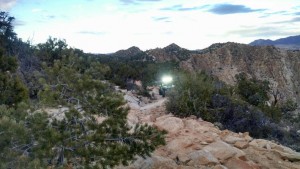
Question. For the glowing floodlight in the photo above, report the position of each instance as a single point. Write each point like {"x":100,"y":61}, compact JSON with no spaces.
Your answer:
{"x":167,"y":79}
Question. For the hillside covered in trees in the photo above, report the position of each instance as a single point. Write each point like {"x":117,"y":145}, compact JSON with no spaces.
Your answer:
{"x":52,"y":75}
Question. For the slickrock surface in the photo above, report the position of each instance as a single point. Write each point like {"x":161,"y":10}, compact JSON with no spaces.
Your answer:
{"x":193,"y":143}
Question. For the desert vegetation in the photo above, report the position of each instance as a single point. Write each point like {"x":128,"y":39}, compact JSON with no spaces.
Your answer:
{"x":51,"y":75}
{"x":239,"y":108}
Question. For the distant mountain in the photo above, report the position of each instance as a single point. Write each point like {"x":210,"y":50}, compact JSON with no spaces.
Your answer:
{"x":128,"y":52}
{"x":171,"y":52}
{"x":132,"y":53}
{"x":291,"y":42}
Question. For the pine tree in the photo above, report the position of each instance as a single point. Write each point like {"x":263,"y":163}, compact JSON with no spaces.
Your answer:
{"x":79,"y":139}
{"x":30,"y":137}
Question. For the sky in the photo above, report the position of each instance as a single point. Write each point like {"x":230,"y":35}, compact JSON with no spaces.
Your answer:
{"x":105,"y":26}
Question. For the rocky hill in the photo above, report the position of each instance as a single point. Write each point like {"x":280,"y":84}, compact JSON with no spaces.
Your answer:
{"x":193,"y":143}
{"x":291,"y":42}
{"x":169,"y":53}
{"x":132,"y":53}
{"x":279,"y":67}
{"x":225,"y":60}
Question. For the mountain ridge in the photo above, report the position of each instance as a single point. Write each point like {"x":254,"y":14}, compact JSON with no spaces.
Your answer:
{"x":225,"y":60}
{"x":290,"y":42}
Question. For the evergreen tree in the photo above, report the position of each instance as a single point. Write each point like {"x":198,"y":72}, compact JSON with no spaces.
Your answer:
{"x":31,"y":137}
{"x":12,"y":90}
{"x":79,"y":139}
{"x":192,"y":95}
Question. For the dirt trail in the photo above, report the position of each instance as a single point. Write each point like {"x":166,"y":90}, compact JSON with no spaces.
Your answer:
{"x":157,"y":103}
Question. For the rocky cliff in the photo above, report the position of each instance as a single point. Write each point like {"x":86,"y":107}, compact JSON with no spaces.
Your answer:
{"x":279,"y":67}
{"x":225,"y":60}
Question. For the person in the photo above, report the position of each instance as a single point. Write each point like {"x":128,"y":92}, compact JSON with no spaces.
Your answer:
{"x":162,"y":90}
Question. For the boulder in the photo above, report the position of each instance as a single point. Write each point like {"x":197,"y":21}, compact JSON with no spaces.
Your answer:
{"x":157,"y":162}
{"x":241,"y":144}
{"x":202,"y":157}
{"x":223,"y":151}
{"x":219,"y":167}
{"x":195,"y":126}
{"x":231,"y":139}
{"x":170,"y":124}
{"x":179,"y":144}
{"x":293,"y":157}
{"x":235,"y":163}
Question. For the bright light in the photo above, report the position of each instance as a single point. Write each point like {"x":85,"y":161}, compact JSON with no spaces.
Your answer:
{"x":167,"y":79}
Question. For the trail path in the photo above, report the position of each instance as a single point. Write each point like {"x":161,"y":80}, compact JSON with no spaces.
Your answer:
{"x":153,"y":105}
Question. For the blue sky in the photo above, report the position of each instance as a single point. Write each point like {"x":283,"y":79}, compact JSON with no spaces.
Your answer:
{"x":104,"y":26}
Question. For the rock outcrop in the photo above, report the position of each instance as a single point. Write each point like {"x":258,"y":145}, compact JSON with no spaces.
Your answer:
{"x":193,"y":143}
{"x":279,"y":67}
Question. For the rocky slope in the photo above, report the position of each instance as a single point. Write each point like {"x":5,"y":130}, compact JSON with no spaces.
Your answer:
{"x":224,"y":60}
{"x":279,"y":67}
{"x":193,"y":143}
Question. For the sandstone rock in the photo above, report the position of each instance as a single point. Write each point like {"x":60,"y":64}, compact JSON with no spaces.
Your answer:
{"x":219,"y":167}
{"x":170,"y":124}
{"x":221,"y":150}
{"x":202,"y":157}
{"x":235,"y":163}
{"x":179,"y":144}
{"x":241,"y":144}
{"x":289,"y":156}
{"x":268,"y":147}
{"x":156,"y":162}
{"x":231,"y":139}
{"x":195,"y":125}
{"x":253,"y":143}
{"x":186,"y":167}
{"x":248,"y":138}
{"x":196,"y":144}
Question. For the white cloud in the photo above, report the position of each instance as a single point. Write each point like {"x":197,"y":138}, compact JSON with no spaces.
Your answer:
{"x":107,"y":26}
{"x":6,"y":5}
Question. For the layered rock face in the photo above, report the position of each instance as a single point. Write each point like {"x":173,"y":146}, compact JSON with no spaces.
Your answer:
{"x":279,"y":67}
{"x":193,"y":143}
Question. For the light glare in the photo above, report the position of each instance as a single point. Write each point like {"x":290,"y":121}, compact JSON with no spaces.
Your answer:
{"x":167,"y":79}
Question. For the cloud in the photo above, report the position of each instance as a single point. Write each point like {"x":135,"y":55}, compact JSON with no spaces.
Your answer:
{"x":164,"y":19}
{"x":91,"y":33}
{"x":224,"y":9}
{"x":297,"y":13}
{"x":6,"y":5}
{"x":18,"y":23}
{"x":296,"y":19}
{"x":264,"y":31}
{"x":274,"y":13}
{"x":51,"y":16}
{"x":181,"y":8}
{"x":135,"y":2}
